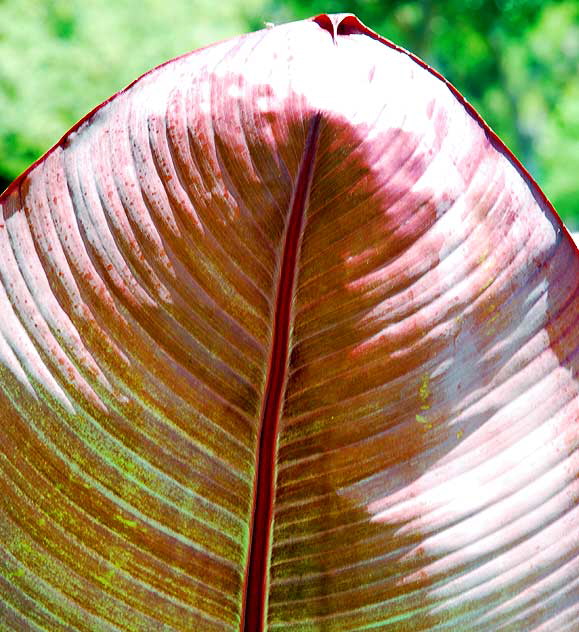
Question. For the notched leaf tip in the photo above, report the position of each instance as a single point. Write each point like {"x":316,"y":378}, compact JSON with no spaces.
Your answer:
{"x":342,"y":24}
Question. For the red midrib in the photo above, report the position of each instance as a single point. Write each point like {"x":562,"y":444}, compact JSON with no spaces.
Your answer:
{"x":255,"y":598}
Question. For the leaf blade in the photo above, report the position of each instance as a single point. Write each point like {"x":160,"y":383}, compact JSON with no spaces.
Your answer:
{"x":436,"y":290}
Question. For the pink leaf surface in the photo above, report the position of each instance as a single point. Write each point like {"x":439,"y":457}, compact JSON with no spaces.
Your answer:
{"x":287,"y":342}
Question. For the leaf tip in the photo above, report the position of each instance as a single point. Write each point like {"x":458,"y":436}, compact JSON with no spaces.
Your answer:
{"x":341,"y":24}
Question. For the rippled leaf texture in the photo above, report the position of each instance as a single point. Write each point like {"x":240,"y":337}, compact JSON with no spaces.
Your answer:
{"x":287,"y":341}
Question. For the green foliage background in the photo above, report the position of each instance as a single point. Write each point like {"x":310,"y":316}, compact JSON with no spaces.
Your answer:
{"x":517,"y":61}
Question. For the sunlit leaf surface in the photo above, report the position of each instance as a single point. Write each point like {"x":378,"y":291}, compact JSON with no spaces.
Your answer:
{"x":287,"y":342}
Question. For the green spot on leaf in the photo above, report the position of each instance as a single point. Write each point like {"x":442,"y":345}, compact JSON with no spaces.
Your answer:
{"x":106,"y":579}
{"x":424,"y":390}
{"x":127,"y":523}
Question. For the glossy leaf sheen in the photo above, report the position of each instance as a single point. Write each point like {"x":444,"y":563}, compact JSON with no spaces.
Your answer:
{"x":287,"y":340}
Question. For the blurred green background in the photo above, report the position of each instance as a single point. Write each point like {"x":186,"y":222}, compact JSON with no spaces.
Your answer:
{"x":517,"y":61}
